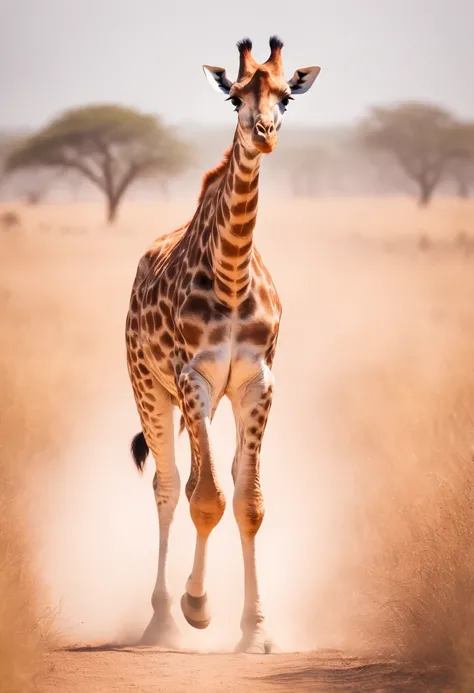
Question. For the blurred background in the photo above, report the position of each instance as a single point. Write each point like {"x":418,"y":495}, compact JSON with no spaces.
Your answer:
{"x":412,"y":63}
{"x":366,"y":223}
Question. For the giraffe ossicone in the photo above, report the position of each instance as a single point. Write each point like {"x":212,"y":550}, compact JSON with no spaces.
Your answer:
{"x":203,"y":322}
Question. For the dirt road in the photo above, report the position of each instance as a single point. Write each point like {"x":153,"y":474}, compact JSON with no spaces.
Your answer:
{"x":107,"y":669}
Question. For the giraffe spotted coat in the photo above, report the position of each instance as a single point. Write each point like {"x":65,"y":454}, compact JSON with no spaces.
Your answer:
{"x":203,"y":322}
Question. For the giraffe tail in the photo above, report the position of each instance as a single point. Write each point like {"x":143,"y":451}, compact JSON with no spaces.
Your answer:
{"x":139,"y":449}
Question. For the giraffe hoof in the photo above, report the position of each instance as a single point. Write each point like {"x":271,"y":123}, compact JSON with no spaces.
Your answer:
{"x":255,"y":642}
{"x":196,"y":611}
{"x":161,"y":633}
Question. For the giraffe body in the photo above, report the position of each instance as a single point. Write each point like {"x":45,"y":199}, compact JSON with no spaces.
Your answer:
{"x":203,"y":323}
{"x":192,"y":325}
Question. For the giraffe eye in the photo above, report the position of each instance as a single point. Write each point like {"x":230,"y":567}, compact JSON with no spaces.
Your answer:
{"x":285,"y":101}
{"x":236,"y":102}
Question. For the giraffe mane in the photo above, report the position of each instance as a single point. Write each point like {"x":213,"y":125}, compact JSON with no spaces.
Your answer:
{"x":214,"y":174}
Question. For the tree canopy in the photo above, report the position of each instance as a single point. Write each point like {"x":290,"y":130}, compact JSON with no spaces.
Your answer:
{"x":110,"y":145}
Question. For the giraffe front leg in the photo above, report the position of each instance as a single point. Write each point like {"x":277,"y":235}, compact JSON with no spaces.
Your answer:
{"x":251,"y":408}
{"x":206,"y":500}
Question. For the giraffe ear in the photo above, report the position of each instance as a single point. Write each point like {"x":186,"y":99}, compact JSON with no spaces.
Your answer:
{"x":303,"y":79}
{"x":217,"y":78}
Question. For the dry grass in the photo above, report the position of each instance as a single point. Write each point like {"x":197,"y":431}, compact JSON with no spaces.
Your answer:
{"x":21,"y":630}
{"x":23,"y":626}
{"x":413,"y":439}
{"x":384,"y":362}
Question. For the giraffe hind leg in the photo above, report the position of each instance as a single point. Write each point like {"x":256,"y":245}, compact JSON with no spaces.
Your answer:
{"x":155,"y":409}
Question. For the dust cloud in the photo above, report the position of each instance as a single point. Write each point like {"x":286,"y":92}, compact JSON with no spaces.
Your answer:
{"x":98,"y":540}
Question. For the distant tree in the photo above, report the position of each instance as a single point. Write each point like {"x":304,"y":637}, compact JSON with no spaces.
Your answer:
{"x":419,"y":137}
{"x":461,"y":171}
{"x":461,"y":168}
{"x":305,"y":168}
{"x":112,"y":146}
{"x":8,"y":142}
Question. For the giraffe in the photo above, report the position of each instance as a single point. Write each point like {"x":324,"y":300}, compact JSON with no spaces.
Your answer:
{"x":202,"y":323}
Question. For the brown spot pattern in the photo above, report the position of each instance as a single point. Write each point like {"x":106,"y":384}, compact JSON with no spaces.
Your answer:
{"x":256,"y":333}
{"x":192,"y":333}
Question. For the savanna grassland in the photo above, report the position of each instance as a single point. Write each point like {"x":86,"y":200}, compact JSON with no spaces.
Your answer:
{"x":366,"y":552}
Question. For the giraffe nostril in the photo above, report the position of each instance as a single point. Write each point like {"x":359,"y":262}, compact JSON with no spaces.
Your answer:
{"x":264,"y":130}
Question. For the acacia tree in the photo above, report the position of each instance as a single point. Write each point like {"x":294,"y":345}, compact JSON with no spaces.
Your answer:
{"x":112,"y":146}
{"x":419,"y":137}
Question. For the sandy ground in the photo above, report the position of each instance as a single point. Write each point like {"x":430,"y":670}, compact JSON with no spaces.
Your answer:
{"x":131,"y":670}
{"x":374,"y":352}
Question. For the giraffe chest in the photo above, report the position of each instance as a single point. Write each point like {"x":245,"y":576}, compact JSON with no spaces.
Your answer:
{"x":186,"y":323}
{"x":217,"y":342}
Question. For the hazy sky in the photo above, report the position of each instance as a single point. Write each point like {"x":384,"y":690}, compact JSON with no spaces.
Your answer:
{"x":55,"y":54}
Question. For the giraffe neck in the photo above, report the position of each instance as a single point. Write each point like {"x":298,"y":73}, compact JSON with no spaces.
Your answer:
{"x":235,"y":215}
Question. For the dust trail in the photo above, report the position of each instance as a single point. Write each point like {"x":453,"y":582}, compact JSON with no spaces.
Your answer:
{"x":98,"y":537}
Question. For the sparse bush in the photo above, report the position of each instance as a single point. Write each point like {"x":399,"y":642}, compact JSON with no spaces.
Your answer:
{"x":424,"y":243}
{"x":9,"y":220}
{"x":464,"y":242}
{"x":33,"y":198}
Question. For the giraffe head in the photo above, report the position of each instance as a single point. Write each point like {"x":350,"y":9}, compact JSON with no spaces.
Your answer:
{"x":261,"y":93}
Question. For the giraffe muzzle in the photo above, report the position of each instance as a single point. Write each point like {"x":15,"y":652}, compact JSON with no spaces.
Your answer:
{"x":264,"y":136}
